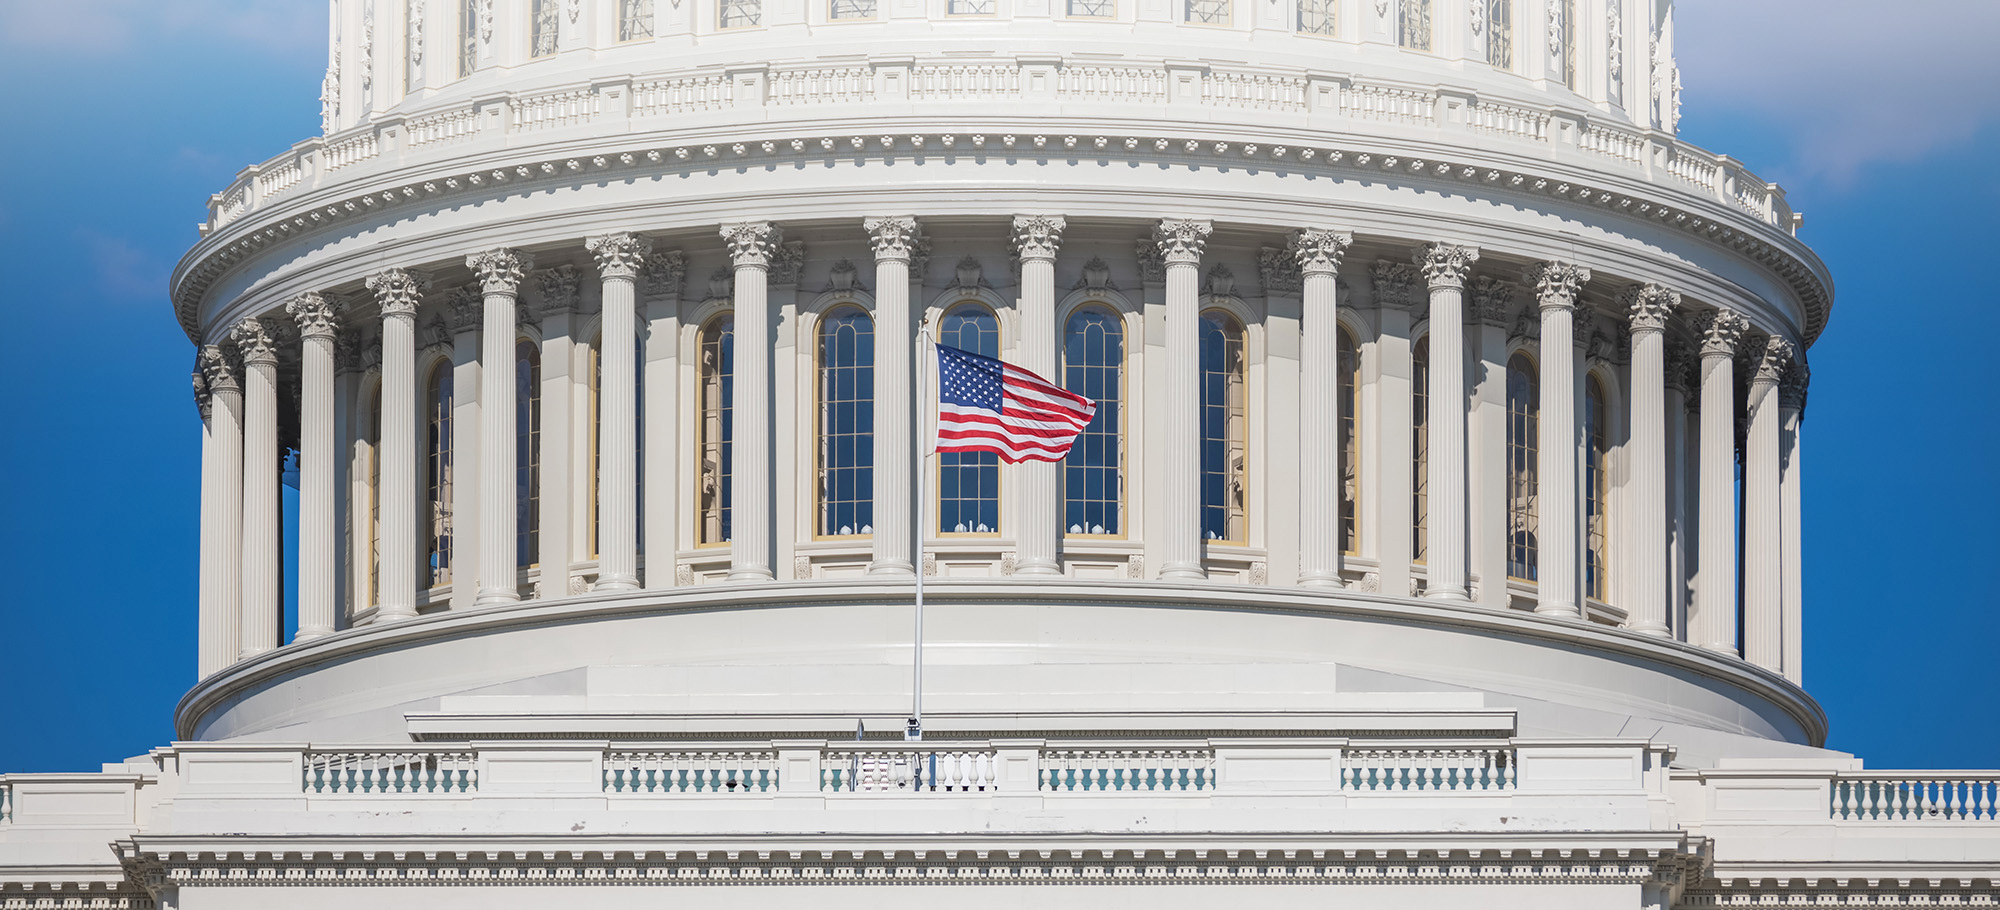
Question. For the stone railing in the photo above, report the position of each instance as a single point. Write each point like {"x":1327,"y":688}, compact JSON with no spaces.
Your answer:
{"x":6,"y":803}
{"x":1168,"y":92}
{"x":1916,"y":796}
{"x":1488,"y":768}
{"x":691,"y":771}
{"x":401,"y":771}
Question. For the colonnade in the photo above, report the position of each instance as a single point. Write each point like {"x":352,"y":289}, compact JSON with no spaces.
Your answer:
{"x":237,"y":385}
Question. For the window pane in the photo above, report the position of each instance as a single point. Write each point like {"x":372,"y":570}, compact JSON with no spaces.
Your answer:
{"x":542,"y":27}
{"x":742,"y":13}
{"x":1523,"y":416}
{"x":1098,"y":8}
{"x":1093,"y":474}
{"x":1413,"y":28}
{"x":635,"y":19}
{"x":969,"y":482}
{"x":1224,"y":430}
{"x":468,"y":36}
{"x":527,"y":452}
{"x":1420,"y":448}
{"x":969,"y":8}
{"x":1208,"y":12}
{"x":1319,"y":17}
{"x":1595,"y":496}
{"x":437,"y":464}
{"x":853,"y":9}
{"x":718,"y":374}
{"x":846,"y":423}
{"x":1500,"y":33}
{"x":1350,"y":445}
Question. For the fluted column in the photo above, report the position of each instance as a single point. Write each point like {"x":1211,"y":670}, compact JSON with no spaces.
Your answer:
{"x":499,"y":275}
{"x":1446,"y":268}
{"x":1181,"y":242}
{"x":619,"y":257}
{"x":317,"y":327}
{"x":1648,"y":308}
{"x":1557,"y":547}
{"x":1319,"y":251}
{"x":751,"y":246}
{"x":397,"y":292}
{"x":220,"y":638}
{"x":1715,"y":590}
{"x":1763,"y":527}
{"x":261,"y":597}
{"x":1791,"y":411}
{"x":467,"y":312}
{"x":663,"y":273}
{"x":1036,"y":239}
{"x":895,"y":406}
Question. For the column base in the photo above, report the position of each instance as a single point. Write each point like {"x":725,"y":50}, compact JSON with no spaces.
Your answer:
{"x":309,"y":636}
{"x":1322,"y":581}
{"x":1567,"y":611}
{"x":611,"y":583}
{"x":751,"y":575}
{"x":1183,"y":572}
{"x":895,"y":568}
{"x":1039,"y":569}
{"x":1448,"y":595}
{"x":493,"y":597}
{"x":1723,"y":649}
{"x":1655,"y":629}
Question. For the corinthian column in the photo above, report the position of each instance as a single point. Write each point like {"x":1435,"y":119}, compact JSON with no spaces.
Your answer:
{"x":1648,"y":308}
{"x":895,"y":406}
{"x":1791,"y":410}
{"x":619,"y":257}
{"x":1715,"y":590}
{"x":1763,"y":527}
{"x":222,"y":505}
{"x":751,"y":246}
{"x":261,"y":600}
{"x":1181,"y":242}
{"x":1319,"y":252}
{"x":317,"y":327}
{"x":499,"y":275}
{"x":1036,"y":239}
{"x":1556,"y":285}
{"x":1445,"y":270}
{"x":397,"y":292}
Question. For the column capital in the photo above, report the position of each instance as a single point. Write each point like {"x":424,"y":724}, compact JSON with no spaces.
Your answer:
{"x":1182,"y":240}
{"x":468,"y":308}
{"x":560,"y":286}
{"x":1792,"y":386}
{"x":398,"y":291}
{"x":788,"y":261}
{"x":752,"y":243}
{"x":619,"y":255}
{"x":201,"y":389}
{"x":1721,"y":328}
{"x":1152,"y":265}
{"x":1556,"y":283}
{"x":1278,"y":272}
{"x":664,"y":273}
{"x":254,"y":342}
{"x":1445,"y":265}
{"x":500,"y":271}
{"x":1319,"y":250}
{"x":893,"y":236}
{"x":1648,"y":306}
{"x":1037,"y":236}
{"x":1772,"y":361}
{"x":1492,"y":299}
{"x":315,"y":315}
{"x":1393,"y":283}
{"x":218,"y":374}
{"x":1679,"y":367}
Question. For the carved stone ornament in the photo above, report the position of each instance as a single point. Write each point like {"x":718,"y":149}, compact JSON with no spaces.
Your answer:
{"x":802,"y":567}
{"x":485,"y":17}
{"x":844,"y":278}
{"x":347,"y":350}
{"x":619,"y":255}
{"x":573,"y":9}
{"x":683,"y":575}
{"x":969,"y":275}
{"x":1792,"y":388}
{"x":416,"y":33}
{"x":366,"y":48}
{"x":499,"y":271}
{"x":1556,"y":283}
{"x":930,"y":565}
{"x":1152,"y":265}
{"x":1527,"y":327}
{"x":524,"y":317}
{"x":1369,"y":583}
{"x":200,"y":380}
{"x":329,"y":94}
{"x":920,"y":258}
{"x":722,"y":283}
{"x":1278,"y":272}
{"x":1773,"y":361}
{"x":1720,"y":329}
{"x":891,"y":237}
{"x":1445,"y":265}
{"x":1478,"y":13}
{"x":1650,"y":306}
{"x":1221,"y":282}
{"x":398,"y":291}
{"x":664,"y":273}
{"x":1010,"y":562}
{"x":1135,"y":566}
{"x":787,"y":261}
{"x":1492,"y":300}
{"x":468,"y":307}
{"x":1182,"y":240}
{"x":1096,"y":276}
{"x":1393,"y":283}
{"x":315,"y":315}
{"x":751,"y":244}
{"x":1615,"y":24}
{"x":560,"y":289}
{"x":1319,"y":249}
{"x":1680,"y":366}
{"x":1037,"y":236}
{"x":436,"y":334}
{"x":255,"y":342}
{"x":218,"y":374}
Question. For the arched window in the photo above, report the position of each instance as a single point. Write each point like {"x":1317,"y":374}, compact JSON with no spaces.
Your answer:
{"x":1596,"y":481}
{"x":846,"y":423}
{"x":438,"y":471}
{"x":1350,"y":444}
{"x":969,"y":482}
{"x":1420,"y":447}
{"x":1094,"y":472}
{"x":717,"y":397}
{"x":527,"y":452}
{"x":1523,"y":418}
{"x":1225,"y":434}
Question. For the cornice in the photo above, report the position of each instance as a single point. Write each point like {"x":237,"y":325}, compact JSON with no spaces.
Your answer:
{"x":1317,"y":152}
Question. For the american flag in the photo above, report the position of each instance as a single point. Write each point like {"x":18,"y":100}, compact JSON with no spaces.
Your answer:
{"x":985,"y":405}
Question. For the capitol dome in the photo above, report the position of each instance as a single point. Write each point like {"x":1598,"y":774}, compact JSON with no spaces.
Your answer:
{"x":1438,"y":522}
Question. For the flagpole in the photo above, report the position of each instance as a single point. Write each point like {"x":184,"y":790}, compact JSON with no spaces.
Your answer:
{"x":915,"y":730}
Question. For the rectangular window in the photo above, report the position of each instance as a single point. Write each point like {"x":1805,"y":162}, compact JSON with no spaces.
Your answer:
{"x":846,"y":424}
{"x":1500,"y":33}
{"x":742,"y":13}
{"x":969,"y":8}
{"x":1093,"y":9}
{"x":1319,"y":17}
{"x":468,"y":37}
{"x":1413,"y":27}
{"x":1562,"y":33}
{"x":635,"y":19}
{"x":1420,"y":448}
{"x":852,"y":9}
{"x":544,"y":17}
{"x":1208,"y":12}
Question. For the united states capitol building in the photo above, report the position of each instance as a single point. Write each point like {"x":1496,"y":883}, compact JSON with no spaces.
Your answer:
{"x":1436,"y":541}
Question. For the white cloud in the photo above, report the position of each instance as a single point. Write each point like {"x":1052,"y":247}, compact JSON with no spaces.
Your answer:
{"x":1851,"y":82}
{"x":100,"y":28}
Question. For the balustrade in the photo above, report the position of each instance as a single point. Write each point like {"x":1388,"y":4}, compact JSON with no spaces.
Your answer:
{"x":682,"y":95}
{"x":929,"y":770}
{"x":1487,"y":768}
{"x":965,"y":82}
{"x":6,"y":803}
{"x":1933,"y":796}
{"x":691,"y":771}
{"x":400,"y":772}
{"x":1100,"y":770}
{"x":567,"y":108}
{"x":851,"y":84}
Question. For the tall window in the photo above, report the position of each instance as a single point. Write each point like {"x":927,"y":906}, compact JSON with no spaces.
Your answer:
{"x":1500,"y":33}
{"x":438,"y":474}
{"x":1562,"y":33}
{"x":969,"y":482}
{"x":468,"y":37}
{"x":1208,"y":12}
{"x":544,"y":19}
{"x":846,"y":423}
{"x":1420,"y":447}
{"x":373,"y":531}
{"x":1225,"y":430}
{"x":1413,"y":25}
{"x":1094,"y":472}
{"x":741,"y":13}
{"x":1596,"y":480}
{"x":1523,"y":423}
{"x":527,"y":452}
{"x":635,"y":19}
{"x":969,"y":8}
{"x":597,"y":436}
{"x":718,"y":396}
{"x":851,"y":9}
{"x":1350,"y":444}
{"x":1319,"y":17}
{"x":1093,"y":9}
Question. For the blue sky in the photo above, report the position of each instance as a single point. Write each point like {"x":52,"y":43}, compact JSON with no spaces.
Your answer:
{"x":122,"y":116}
